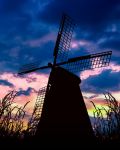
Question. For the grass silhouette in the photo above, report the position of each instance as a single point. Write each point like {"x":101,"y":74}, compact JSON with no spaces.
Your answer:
{"x":106,"y":128}
{"x":11,"y":117}
{"x":107,"y":120}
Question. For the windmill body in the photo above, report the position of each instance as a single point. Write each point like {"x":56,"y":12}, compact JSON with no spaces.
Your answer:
{"x":64,"y":113}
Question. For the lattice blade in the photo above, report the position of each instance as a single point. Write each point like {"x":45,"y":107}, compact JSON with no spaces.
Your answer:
{"x":97,"y":60}
{"x":30,"y":68}
{"x":63,"y":39}
{"x":33,"y":122}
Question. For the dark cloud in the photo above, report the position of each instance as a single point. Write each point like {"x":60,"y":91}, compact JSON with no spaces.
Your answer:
{"x":112,"y":44}
{"x":106,"y":81}
{"x":111,"y":41}
{"x":18,"y":25}
{"x":9,"y":6}
{"x":97,"y":22}
{"x":87,"y":13}
{"x":6,"y":83}
{"x":22,"y":21}
{"x":26,"y":92}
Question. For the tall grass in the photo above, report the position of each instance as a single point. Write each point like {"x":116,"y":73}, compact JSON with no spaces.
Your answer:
{"x":107,"y":120}
{"x":11,"y":117}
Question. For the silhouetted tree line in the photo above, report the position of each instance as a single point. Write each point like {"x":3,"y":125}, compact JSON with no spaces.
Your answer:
{"x":106,"y":124}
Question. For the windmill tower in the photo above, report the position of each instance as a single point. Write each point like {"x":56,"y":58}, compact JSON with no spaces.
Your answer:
{"x":64,"y":114}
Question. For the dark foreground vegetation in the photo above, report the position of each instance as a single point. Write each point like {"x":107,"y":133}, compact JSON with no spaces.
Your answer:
{"x":107,"y":121}
{"x":106,"y":124}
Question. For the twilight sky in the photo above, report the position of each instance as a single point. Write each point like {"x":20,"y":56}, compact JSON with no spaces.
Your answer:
{"x":28,"y":31}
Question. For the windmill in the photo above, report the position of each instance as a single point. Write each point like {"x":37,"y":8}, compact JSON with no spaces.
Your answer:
{"x":64,"y":112}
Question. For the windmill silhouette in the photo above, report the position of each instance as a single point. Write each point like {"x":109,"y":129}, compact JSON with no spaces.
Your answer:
{"x":63,"y":113}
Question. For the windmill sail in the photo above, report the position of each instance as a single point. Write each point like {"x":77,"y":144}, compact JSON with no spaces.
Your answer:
{"x":63,"y":39}
{"x":30,"y":68}
{"x":34,"y":120}
{"x":61,"y":52}
{"x":61,"y":48}
{"x":97,"y":60}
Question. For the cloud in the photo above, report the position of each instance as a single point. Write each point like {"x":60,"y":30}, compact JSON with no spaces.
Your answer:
{"x":97,"y":71}
{"x":34,"y":81}
{"x":106,"y":81}
{"x":11,"y":5}
{"x":14,"y":52}
{"x":87,"y":73}
{"x":88,"y":13}
{"x":28,"y":33}
{"x":6,"y":83}
{"x":83,"y":46}
{"x":41,"y":41}
{"x":27,"y":87}
{"x":26,"y":92}
{"x":98,"y":24}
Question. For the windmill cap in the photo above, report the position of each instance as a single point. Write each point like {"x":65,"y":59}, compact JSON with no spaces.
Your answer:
{"x":62,"y":75}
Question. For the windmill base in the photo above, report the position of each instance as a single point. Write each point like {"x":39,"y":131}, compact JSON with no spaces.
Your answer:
{"x":64,"y":114}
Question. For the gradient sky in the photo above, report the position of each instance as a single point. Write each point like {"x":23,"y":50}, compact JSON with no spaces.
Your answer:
{"x":28,"y":31}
